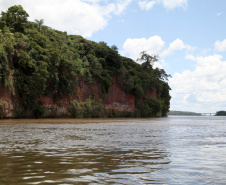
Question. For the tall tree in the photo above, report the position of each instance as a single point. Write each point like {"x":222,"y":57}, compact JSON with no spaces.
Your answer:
{"x":148,"y":60}
{"x":39,"y":23}
{"x":16,"y":18}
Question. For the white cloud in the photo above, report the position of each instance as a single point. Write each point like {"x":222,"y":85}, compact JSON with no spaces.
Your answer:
{"x":202,"y":89}
{"x":83,"y":17}
{"x":170,"y":4}
{"x":153,"y":45}
{"x":190,"y":57}
{"x":115,"y":8}
{"x":176,"y":45}
{"x":220,"y":45}
{"x":133,"y":47}
{"x":161,"y":64}
{"x":4,"y":4}
{"x":121,"y":6}
{"x":146,"y":5}
{"x":91,"y":1}
{"x":219,"y":14}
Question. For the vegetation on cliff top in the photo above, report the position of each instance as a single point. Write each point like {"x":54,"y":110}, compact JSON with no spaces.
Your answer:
{"x":36,"y":60}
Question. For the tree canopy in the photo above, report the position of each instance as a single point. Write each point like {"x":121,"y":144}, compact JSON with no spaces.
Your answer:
{"x":221,"y":113}
{"x":15,"y":18}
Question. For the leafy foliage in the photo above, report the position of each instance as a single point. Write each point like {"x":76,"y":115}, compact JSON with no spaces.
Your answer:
{"x":15,"y":18}
{"x":221,"y":113}
{"x":40,"y":61}
{"x":87,"y":109}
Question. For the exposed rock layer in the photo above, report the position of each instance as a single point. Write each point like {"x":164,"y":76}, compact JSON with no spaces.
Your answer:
{"x":116,"y":99}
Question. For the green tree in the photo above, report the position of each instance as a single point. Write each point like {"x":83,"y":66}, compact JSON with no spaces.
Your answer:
{"x":114,"y":47}
{"x":16,"y":18}
{"x":148,"y":60}
{"x":39,"y":24}
{"x":7,"y":43}
{"x":161,"y":74}
{"x":165,"y":96}
{"x":2,"y":24}
{"x":221,"y":113}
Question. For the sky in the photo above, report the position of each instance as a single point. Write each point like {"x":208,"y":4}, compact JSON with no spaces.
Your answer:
{"x":189,"y":37}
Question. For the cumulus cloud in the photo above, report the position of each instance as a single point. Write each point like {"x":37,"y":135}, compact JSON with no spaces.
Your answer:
{"x":170,"y":4}
{"x":121,"y":6}
{"x":190,"y":57}
{"x":202,"y":89}
{"x":146,"y":5}
{"x":220,"y":45}
{"x":133,"y":47}
{"x":176,"y":45}
{"x":83,"y":17}
{"x":153,"y":45}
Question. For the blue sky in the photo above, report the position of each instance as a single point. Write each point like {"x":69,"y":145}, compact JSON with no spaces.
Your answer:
{"x":188,"y":35}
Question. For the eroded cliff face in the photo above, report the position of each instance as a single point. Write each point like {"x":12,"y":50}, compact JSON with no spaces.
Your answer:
{"x":6,"y":102}
{"x":116,"y":99}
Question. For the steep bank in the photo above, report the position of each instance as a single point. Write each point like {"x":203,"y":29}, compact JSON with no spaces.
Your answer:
{"x":117,"y":99}
{"x":48,"y":73}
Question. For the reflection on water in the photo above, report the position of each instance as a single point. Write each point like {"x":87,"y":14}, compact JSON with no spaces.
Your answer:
{"x":174,"y":150}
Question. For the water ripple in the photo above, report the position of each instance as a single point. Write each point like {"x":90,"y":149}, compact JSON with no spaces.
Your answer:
{"x":184,"y":150}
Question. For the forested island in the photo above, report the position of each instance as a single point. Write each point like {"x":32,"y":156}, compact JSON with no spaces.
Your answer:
{"x":48,"y":73}
{"x":221,"y":113}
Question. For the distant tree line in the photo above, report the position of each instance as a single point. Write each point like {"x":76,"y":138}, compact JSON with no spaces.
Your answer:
{"x":221,"y":113}
{"x":184,"y":113}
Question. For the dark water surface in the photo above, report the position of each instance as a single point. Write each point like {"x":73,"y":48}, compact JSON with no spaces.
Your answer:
{"x":173,"y":150}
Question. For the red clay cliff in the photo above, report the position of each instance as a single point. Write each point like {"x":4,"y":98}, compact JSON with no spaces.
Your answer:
{"x":116,"y":99}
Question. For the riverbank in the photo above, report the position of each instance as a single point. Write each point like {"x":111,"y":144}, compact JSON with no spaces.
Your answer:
{"x":67,"y":120}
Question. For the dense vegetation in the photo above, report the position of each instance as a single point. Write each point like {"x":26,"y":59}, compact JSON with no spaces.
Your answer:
{"x":221,"y":113}
{"x":187,"y":113}
{"x":36,"y":60}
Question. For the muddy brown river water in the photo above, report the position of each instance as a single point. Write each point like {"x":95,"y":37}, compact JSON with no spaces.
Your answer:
{"x":173,"y":150}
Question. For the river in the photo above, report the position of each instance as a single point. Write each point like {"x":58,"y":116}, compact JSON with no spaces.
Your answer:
{"x":173,"y":150}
